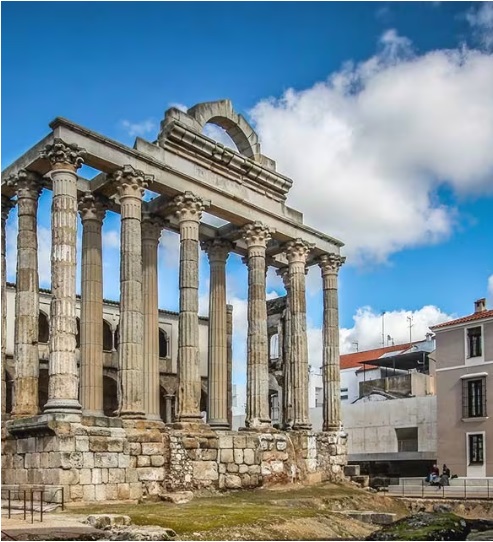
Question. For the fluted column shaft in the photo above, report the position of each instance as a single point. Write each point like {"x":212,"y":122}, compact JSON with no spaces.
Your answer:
{"x":26,"y":356}
{"x":287,"y":391}
{"x":151,"y":232}
{"x":297,"y":252}
{"x":229,"y":355}
{"x":256,"y":236}
{"x":91,"y":322}
{"x":7,"y":204}
{"x":329,"y":265}
{"x":217,"y":412}
{"x":189,"y":211}
{"x":63,"y":386}
{"x":130,"y":184}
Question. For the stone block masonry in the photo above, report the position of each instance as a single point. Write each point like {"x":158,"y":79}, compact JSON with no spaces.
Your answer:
{"x":103,"y":459}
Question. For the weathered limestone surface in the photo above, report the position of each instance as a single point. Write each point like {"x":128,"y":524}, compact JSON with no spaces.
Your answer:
{"x":92,"y":213}
{"x":287,"y":396}
{"x":151,"y":233}
{"x":7,"y":204}
{"x":218,"y":251}
{"x":28,"y":188}
{"x":130,"y":184}
{"x":229,"y":354}
{"x":329,"y":265}
{"x":63,"y":388}
{"x":189,"y":211}
{"x":257,"y":236}
{"x":297,"y":252}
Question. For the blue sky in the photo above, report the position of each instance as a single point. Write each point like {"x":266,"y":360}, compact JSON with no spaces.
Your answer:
{"x":382,"y":110}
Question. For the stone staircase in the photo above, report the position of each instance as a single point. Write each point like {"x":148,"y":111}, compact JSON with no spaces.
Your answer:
{"x":353,"y":474}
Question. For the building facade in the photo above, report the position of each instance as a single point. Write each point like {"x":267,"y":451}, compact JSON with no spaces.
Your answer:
{"x":464,"y":380}
{"x":167,"y":353}
{"x":71,"y":442}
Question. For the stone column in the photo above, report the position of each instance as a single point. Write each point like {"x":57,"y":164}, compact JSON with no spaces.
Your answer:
{"x":151,"y":233}
{"x":168,"y":408}
{"x":256,"y":236}
{"x":229,"y":356}
{"x":26,"y":354}
{"x":297,"y":252}
{"x":217,"y":412}
{"x":189,"y":212}
{"x":63,"y":386}
{"x":7,"y":204}
{"x":287,"y":391}
{"x":130,"y":184}
{"x":92,"y":213}
{"x":330,"y":264}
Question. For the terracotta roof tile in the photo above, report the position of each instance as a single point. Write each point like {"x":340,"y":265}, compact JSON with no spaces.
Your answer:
{"x":471,"y":318}
{"x":350,"y":361}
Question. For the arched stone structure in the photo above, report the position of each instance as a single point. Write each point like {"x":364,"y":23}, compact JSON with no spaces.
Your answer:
{"x":107,"y":337}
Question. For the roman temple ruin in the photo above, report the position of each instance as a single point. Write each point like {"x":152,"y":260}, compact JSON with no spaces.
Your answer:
{"x":70,"y":442}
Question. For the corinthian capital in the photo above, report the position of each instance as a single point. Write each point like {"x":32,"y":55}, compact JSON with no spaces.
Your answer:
{"x":64,"y":155}
{"x":130,"y":182}
{"x":330,"y":263}
{"x":152,"y":226}
{"x":91,"y":207}
{"x":188,"y":206}
{"x":7,"y":204}
{"x":26,"y":183}
{"x":217,"y":249}
{"x":256,"y":234}
{"x":298,"y":250}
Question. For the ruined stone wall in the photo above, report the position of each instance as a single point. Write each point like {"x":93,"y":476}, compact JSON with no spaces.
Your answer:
{"x":104,"y":462}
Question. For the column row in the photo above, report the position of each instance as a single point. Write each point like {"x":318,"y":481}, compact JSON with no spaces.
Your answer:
{"x":138,"y":349}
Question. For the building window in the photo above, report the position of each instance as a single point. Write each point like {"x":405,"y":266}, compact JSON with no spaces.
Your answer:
{"x":319,"y":398}
{"x":344,"y":394}
{"x":163,"y":344}
{"x":407,"y":439}
{"x":107,"y":337}
{"x":474,"y":398}
{"x":476,"y":449}
{"x":474,"y":349}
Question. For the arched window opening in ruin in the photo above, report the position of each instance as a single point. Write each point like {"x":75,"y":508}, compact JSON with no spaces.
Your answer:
{"x":77,"y":336}
{"x":163,"y":344}
{"x":219,"y":134}
{"x":9,"y":391}
{"x":107,"y":337}
{"x":43,"y":328}
{"x":274,"y":347}
{"x":117,"y":337}
{"x":42,"y":388}
{"x":110,"y":397}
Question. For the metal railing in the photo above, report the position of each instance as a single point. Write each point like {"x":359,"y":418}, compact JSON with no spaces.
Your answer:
{"x":458,"y":490}
{"x":28,"y":500}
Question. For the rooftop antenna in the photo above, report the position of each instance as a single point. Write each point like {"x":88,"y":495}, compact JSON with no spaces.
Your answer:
{"x":383,"y":329}
{"x":390,"y":340}
{"x":410,"y":320}
{"x":357,"y":345}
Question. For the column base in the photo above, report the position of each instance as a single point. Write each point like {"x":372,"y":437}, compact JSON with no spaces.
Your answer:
{"x":302,"y":427}
{"x":64,"y":406}
{"x":154,"y":418}
{"x":132,"y":415}
{"x":219,"y":425}
{"x":24,"y":413}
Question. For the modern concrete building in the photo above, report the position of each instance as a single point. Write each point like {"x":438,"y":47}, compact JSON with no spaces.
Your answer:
{"x":464,"y":382}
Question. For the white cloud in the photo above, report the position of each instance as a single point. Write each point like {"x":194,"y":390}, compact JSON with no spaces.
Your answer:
{"x":369,"y":147}
{"x":111,"y":239}
{"x":490,"y":288}
{"x":138,"y":128}
{"x":481,"y":21}
{"x":218,"y":134}
{"x":367,"y":329}
{"x":179,"y":106}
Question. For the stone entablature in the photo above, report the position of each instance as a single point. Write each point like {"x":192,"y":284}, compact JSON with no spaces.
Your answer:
{"x":189,"y":174}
